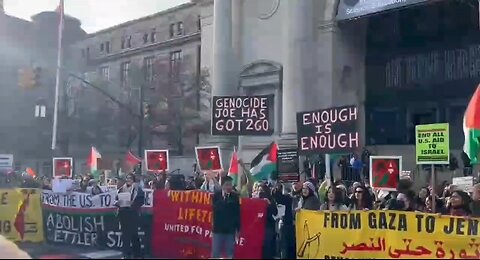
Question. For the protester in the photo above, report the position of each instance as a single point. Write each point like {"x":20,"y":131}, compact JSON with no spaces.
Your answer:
{"x":211,"y":183}
{"x":404,"y":201}
{"x":475,"y":204}
{"x":287,"y":230}
{"x":459,"y":204}
{"x":361,"y":199}
{"x":309,"y":199}
{"x":439,"y":205}
{"x":129,"y":216}
{"x":270,"y":238}
{"x":335,"y":200}
{"x":95,"y":187}
{"x":226,"y":220}
{"x":421,"y":198}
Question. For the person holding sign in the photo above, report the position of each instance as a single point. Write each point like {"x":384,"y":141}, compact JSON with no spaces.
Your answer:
{"x":130,"y":199}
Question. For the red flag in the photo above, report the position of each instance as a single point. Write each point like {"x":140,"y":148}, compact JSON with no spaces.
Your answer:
{"x":31,"y":172}
{"x":233,"y":170}
{"x":131,"y":160}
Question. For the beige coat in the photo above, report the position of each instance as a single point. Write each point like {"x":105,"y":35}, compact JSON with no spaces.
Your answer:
{"x":9,"y":250}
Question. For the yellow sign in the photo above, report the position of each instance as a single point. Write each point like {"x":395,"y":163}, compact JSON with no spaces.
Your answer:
{"x":21,"y":215}
{"x":385,"y":235}
{"x":432,"y":144}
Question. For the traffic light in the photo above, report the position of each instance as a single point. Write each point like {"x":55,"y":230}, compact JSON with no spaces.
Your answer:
{"x":29,"y":78}
{"x":146,"y":110}
{"x":156,"y":160}
{"x":62,"y":167}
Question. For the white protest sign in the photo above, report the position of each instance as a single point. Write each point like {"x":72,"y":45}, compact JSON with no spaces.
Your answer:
{"x":463,"y":183}
{"x":87,"y":201}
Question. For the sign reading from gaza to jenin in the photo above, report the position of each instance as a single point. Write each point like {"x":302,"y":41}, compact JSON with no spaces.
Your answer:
{"x":330,"y":130}
{"x":432,"y":144}
{"x":242,"y":115}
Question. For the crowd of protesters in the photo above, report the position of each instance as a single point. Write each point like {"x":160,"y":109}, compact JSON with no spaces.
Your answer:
{"x":310,"y":194}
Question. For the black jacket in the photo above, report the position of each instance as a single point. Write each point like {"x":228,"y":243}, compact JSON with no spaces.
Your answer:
{"x":226,"y":213}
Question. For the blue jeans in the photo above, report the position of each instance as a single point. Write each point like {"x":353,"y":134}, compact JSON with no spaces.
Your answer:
{"x":223,"y":243}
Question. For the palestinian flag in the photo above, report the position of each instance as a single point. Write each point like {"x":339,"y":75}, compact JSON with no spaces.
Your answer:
{"x":265,"y":163}
{"x":471,"y":127}
{"x":94,"y":156}
{"x":233,"y":170}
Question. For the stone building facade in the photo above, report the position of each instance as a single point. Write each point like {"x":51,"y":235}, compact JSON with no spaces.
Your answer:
{"x":141,"y":53}
{"x":312,"y":56}
{"x":26,"y":118}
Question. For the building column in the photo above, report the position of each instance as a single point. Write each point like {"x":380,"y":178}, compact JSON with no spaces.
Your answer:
{"x":298,"y":65}
{"x":222,"y":78}
{"x":223,"y":71}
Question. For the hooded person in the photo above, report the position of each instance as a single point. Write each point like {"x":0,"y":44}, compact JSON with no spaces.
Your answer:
{"x":309,"y":199}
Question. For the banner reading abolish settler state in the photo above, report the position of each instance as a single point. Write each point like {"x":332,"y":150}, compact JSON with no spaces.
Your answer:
{"x":385,"y":234}
{"x":82,"y":219}
{"x":21,"y":215}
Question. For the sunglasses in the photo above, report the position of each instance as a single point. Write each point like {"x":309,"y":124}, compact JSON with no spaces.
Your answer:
{"x":359,"y":191}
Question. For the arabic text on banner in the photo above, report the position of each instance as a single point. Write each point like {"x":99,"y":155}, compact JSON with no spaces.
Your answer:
{"x":385,"y":234}
{"x":21,"y":215}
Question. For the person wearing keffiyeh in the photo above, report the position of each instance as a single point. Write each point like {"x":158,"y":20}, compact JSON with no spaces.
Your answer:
{"x":129,"y":217}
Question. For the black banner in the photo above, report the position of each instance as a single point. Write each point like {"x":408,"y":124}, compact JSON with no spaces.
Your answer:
{"x":100,"y":230}
{"x":329,"y":130}
{"x":287,"y":165}
{"x":349,"y":9}
{"x":236,"y":116}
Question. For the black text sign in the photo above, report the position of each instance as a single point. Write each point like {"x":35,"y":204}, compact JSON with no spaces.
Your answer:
{"x":252,"y":115}
{"x":329,"y":130}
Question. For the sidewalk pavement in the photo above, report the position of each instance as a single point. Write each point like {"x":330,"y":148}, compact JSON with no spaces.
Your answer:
{"x":49,"y":251}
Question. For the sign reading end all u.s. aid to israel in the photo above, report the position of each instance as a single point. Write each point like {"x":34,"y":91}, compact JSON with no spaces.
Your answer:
{"x":432,"y":144}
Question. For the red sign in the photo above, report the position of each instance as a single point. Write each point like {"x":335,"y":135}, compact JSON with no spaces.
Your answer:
{"x":182,"y":226}
{"x":209,"y":158}
{"x":157,"y":160}
{"x":385,"y":172}
{"x":62,"y":167}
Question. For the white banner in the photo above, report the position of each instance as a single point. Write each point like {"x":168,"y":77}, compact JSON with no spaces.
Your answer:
{"x":87,"y":201}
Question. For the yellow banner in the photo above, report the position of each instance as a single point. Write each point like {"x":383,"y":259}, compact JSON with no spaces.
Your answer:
{"x":21,"y":215}
{"x":385,"y":234}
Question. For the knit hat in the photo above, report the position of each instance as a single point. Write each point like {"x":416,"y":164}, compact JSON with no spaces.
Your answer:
{"x":310,"y":186}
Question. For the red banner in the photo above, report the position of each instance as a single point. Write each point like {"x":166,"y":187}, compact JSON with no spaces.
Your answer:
{"x":182,"y":226}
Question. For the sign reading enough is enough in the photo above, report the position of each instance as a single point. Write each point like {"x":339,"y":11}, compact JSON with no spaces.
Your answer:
{"x":329,"y":130}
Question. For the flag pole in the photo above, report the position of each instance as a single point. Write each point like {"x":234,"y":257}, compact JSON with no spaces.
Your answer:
{"x":58,"y":76}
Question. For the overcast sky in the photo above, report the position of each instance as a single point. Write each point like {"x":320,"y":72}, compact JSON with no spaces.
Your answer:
{"x":94,"y":14}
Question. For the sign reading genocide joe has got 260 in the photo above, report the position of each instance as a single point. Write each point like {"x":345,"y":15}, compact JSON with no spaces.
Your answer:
{"x":329,"y":130}
{"x":242,"y":115}
{"x":432,"y":144}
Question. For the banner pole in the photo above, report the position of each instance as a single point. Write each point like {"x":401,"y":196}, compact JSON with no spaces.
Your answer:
{"x":434,"y":201}
{"x":328,"y":173}
{"x":240,"y":168}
